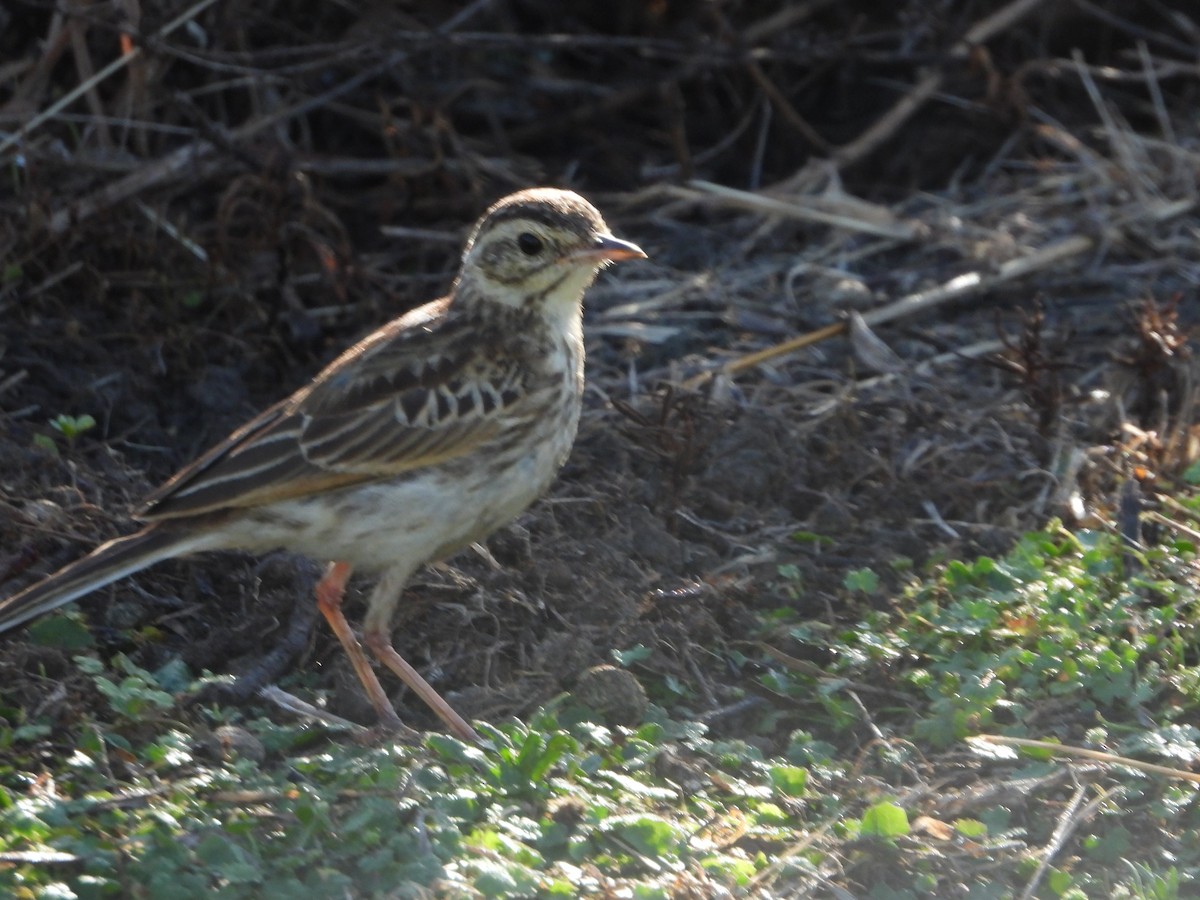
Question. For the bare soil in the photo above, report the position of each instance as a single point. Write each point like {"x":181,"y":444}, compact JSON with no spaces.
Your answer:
{"x":175,"y":307}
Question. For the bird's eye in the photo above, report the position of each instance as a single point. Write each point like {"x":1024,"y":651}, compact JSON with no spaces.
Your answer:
{"x":530,"y":244}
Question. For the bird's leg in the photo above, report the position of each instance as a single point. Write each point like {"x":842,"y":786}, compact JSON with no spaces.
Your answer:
{"x":377,"y":642}
{"x":330,"y":590}
{"x":377,"y":637}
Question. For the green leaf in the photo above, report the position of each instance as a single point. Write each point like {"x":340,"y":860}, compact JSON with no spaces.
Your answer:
{"x":862,"y":581}
{"x":769,"y":813}
{"x":45,"y":442}
{"x":503,"y":879}
{"x":789,"y":780}
{"x":971,"y":828}
{"x":173,"y":675}
{"x":553,"y":752}
{"x":885,"y":820}
{"x":1059,"y":881}
{"x":72,"y":426}
{"x":1042,"y":753}
{"x":64,"y":632}
{"x":228,"y":859}
{"x":730,"y":868}
{"x":453,"y":750}
{"x":810,"y":537}
{"x":790,"y":571}
{"x":648,"y":835}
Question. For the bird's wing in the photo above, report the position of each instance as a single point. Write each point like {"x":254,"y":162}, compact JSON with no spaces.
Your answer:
{"x":424,"y":389}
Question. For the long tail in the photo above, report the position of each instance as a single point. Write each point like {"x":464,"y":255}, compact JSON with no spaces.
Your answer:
{"x":102,"y":566}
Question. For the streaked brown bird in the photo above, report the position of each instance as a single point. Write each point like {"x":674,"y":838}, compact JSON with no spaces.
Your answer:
{"x":419,"y":440}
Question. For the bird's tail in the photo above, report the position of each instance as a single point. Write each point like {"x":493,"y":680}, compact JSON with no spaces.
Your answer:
{"x":102,"y":566}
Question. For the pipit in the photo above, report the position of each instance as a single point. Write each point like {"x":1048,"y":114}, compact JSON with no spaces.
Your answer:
{"x":419,"y":440}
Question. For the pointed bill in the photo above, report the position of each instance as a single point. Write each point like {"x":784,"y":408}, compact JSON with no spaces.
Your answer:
{"x":610,"y":249}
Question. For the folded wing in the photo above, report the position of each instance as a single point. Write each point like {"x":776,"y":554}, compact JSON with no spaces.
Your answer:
{"x":407,"y":397}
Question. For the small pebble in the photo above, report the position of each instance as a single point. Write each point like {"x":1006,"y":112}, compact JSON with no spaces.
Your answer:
{"x":229,"y":742}
{"x":614,"y":693}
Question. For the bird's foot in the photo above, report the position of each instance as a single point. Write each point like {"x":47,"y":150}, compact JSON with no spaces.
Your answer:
{"x":389,"y":729}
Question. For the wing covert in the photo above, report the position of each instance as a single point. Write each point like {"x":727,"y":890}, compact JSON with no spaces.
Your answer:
{"x":403,"y":398}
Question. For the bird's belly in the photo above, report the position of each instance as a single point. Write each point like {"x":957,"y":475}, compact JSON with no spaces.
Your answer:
{"x":418,"y":517}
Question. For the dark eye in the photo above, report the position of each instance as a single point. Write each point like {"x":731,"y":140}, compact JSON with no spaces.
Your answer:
{"x":530,"y":244}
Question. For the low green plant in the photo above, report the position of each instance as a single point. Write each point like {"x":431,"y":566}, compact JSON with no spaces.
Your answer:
{"x":875,"y":792}
{"x":70,"y":427}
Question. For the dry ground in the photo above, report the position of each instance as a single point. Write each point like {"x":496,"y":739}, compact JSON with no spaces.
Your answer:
{"x":172,"y":276}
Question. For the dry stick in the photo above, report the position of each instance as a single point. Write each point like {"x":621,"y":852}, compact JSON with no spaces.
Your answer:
{"x":1184,"y":48}
{"x":815,"y":671}
{"x":293,"y":704}
{"x":167,"y":167}
{"x":1067,"y":823}
{"x":751,"y":360}
{"x":611,"y":103}
{"x":926,"y":87}
{"x":34,"y":84}
{"x":1156,"y":97}
{"x":1118,"y":137}
{"x":771,"y":872}
{"x":926,"y":366}
{"x":789,"y":112}
{"x":888,"y":123}
{"x":114,"y":66}
{"x":1084,"y":753}
{"x":962,"y":286}
{"x":774,"y":95}
{"x":86,"y":70}
{"x":462,"y":15}
{"x":885,"y":225}
{"x":143,"y":178}
{"x":633,"y":95}
{"x":1179,"y":527}
{"x":196,"y":154}
{"x":782,"y":20}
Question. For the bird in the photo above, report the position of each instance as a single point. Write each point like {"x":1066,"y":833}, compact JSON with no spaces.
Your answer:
{"x":419,"y":440}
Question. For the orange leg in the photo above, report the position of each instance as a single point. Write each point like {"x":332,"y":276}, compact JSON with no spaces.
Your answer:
{"x":330,"y":591}
{"x":378,"y":643}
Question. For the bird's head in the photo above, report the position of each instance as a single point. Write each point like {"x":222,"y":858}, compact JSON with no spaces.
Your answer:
{"x":540,"y":248}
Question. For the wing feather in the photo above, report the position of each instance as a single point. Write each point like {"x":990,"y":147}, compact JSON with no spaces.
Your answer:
{"x":420,"y":391}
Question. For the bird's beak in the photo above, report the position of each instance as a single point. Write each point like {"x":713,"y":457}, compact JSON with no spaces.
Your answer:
{"x":609,"y":249}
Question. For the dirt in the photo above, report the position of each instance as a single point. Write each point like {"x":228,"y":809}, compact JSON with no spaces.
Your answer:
{"x":665,"y":531}
{"x":669,"y":525}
